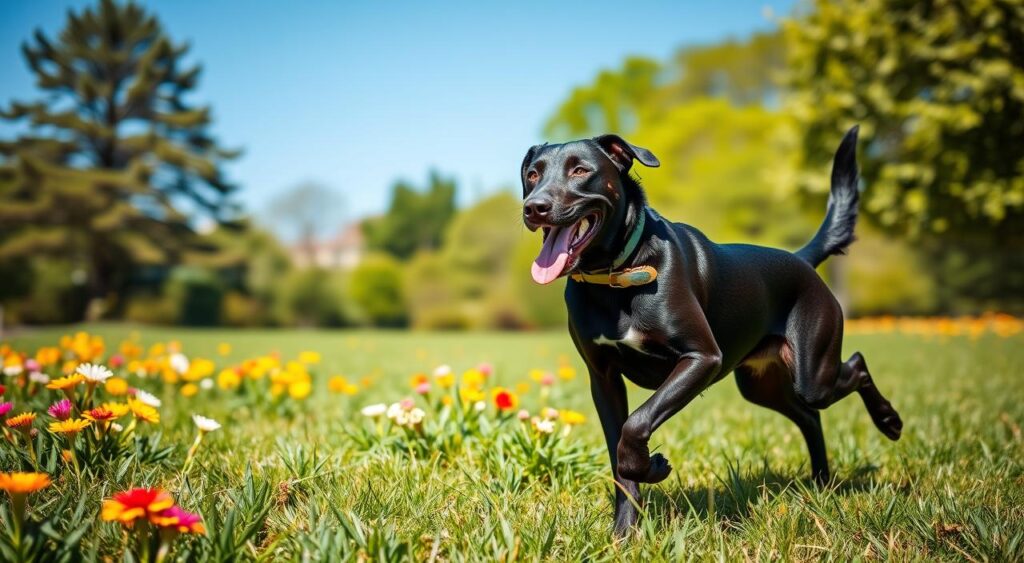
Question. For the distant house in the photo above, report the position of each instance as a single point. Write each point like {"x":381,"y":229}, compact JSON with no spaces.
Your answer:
{"x":342,"y":252}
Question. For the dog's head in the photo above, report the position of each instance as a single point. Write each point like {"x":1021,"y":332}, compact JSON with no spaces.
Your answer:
{"x":576,"y":193}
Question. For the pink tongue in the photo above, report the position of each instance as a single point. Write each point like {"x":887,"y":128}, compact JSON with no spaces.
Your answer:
{"x":553,"y":256}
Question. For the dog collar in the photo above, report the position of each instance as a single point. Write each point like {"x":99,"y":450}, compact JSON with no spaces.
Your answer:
{"x":629,"y":277}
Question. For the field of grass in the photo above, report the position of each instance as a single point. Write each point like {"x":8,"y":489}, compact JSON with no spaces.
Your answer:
{"x":296,"y":483}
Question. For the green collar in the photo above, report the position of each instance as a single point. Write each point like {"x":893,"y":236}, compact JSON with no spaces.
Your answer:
{"x":634,"y":240}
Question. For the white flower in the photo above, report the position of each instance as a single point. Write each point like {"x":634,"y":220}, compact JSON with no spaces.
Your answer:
{"x":116,"y":427}
{"x":416,"y":416}
{"x":395,"y":410}
{"x":94,"y":373}
{"x":147,"y":398}
{"x":12,"y":370}
{"x":206,"y":383}
{"x":373,"y":411}
{"x":544,"y":426}
{"x":179,"y":363}
{"x":39,"y":377}
{"x":442,"y":370}
{"x":479,"y":406}
{"x":205,"y":424}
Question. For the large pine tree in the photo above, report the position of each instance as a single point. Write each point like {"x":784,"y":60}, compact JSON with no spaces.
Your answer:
{"x":115,"y":164}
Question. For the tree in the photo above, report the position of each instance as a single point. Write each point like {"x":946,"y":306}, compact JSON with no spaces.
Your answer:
{"x":415,"y":220}
{"x":308,"y":209}
{"x":938,"y":89}
{"x":376,"y":288}
{"x":115,"y":157}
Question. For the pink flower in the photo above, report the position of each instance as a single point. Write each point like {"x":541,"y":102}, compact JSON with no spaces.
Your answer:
{"x":423,"y":388}
{"x":61,"y":410}
{"x":407,"y":404}
{"x":177,"y":519}
{"x":547,"y":379}
{"x":486,"y":369}
{"x":31,"y":365}
{"x":523,"y":414}
{"x":6,"y":408}
{"x":116,"y":361}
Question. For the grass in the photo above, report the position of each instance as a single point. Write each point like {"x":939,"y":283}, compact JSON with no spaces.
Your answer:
{"x":297,"y":487}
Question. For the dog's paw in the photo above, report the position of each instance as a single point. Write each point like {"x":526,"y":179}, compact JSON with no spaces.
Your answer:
{"x":659,"y":469}
{"x":888,"y":421}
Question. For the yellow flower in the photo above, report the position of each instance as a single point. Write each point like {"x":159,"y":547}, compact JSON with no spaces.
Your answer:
{"x":228,"y":379}
{"x":189,"y":390}
{"x":566,"y":373}
{"x":309,"y":357}
{"x":22,"y":421}
{"x":418,"y":379}
{"x":572,"y":418}
{"x":338,"y":384}
{"x":117,"y":409}
{"x":143,"y":412}
{"x":69,"y":427}
{"x":300,"y":389}
{"x":48,"y":356}
{"x":473,"y":378}
{"x":522,"y":388}
{"x":19,"y":483}
{"x":470,"y":395}
{"x":199,"y":368}
{"x":117,"y":386}
{"x":224,"y":349}
{"x":65,"y":383}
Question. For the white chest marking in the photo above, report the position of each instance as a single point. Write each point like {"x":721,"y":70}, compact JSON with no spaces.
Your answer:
{"x":633,"y":339}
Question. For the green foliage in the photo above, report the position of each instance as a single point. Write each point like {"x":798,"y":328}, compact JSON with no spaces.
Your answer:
{"x":312,"y":297}
{"x":114,"y":148}
{"x":938,"y":90}
{"x":416,"y":220}
{"x":376,"y":289}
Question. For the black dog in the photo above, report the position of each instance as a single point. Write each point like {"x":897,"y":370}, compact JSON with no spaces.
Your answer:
{"x":658,"y":302}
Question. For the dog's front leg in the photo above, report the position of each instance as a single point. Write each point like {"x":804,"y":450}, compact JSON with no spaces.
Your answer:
{"x":609,"y":393}
{"x":691,"y":375}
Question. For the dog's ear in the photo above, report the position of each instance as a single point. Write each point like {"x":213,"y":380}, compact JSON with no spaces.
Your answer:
{"x":623,"y":153}
{"x":530,"y":155}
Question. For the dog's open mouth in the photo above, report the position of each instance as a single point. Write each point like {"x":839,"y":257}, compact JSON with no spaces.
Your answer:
{"x":561,"y":246}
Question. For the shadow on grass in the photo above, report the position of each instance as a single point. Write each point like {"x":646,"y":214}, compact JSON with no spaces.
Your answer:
{"x":733,"y":495}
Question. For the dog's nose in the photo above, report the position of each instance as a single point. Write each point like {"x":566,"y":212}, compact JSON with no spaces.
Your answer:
{"x":537,"y":209}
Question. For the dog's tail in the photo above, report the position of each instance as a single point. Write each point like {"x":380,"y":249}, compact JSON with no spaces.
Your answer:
{"x":836,"y":231}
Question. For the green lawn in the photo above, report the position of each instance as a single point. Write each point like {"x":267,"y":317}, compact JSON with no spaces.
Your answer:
{"x":296,"y":482}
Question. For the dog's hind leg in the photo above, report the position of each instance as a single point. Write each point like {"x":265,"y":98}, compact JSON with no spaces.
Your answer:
{"x":771,"y":385}
{"x":815,"y":334}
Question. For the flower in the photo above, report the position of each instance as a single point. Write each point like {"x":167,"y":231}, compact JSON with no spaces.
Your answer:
{"x":504,"y":399}
{"x":338,"y":384}
{"x":65,"y":383}
{"x":205,"y":424}
{"x":308,"y":357}
{"x":179,"y":363}
{"x":119,"y":409}
{"x":229,"y":379}
{"x":18,"y":483}
{"x":69,"y":427}
{"x":117,"y":386}
{"x":549,"y":413}
{"x":6,"y":407}
{"x":184,"y":522}
{"x":94,"y":373}
{"x":61,"y":410}
{"x":473,"y":379}
{"x":129,"y":506}
{"x":418,"y":379}
{"x":189,"y":390}
{"x":444,"y":376}
{"x":38,"y":377}
{"x":224,"y":349}
{"x":99,"y":414}
{"x":374,"y":411}
{"x":300,"y":389}
{"x":485,"y":369}
{"x":142,"y":411}
{"x":566,"y":372}
{"x":523,"y":415}
{"x":545,"y":378}
{"x":572,"y":418}
{"x":22,"y":422}
{"x":543,"y":426}
{"x":147,"y":398}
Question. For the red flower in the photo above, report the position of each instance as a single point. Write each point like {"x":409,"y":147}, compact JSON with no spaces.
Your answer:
{"x":131,"y":505}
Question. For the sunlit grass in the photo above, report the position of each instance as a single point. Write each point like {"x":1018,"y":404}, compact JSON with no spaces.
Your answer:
{"x":278,"y":487}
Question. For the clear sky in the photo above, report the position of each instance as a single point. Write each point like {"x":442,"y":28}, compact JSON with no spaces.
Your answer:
{"x":357,"y":95}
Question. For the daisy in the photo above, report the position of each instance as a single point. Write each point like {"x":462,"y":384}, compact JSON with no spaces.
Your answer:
{"x":69,"y":427}
{"x":94,"y":373}
{"x":22,"y":421}
{"x":143,"y":412}
{"x":178,"y":519}
{"x":66,"y":384}
{"x":99,"y":414}
{"x":147,"y":398}
{"x":543,"y":426}
{"x":374,"y":411}
{"x":205,"y":424}
{"x":61,"y":410}
{"x":18,"y":483}
{"x":129,"y":506}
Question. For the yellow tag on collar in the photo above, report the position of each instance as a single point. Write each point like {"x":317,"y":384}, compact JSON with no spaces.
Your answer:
{"x":629,"y":277}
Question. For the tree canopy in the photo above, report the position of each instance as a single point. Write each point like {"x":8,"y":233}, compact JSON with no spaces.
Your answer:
{"x":115,"y":161}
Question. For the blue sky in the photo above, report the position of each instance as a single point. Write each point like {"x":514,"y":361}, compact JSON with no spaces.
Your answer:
{"x":357,"y":95}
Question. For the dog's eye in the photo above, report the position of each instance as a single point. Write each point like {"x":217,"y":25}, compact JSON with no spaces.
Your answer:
{"x":532,"y":176}
{"x":579,"y":171}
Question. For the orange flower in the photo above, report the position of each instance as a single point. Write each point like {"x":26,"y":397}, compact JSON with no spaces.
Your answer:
{"x":18,"y":483}
{"x":117,"y":386}
{"x":22,"y":421}
{"x":504,"y":399}
{"x":99,"y":414}
{"x":129,"y":506}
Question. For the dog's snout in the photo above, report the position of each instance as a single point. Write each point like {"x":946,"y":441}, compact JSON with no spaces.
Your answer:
{"x":537,"y":209}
